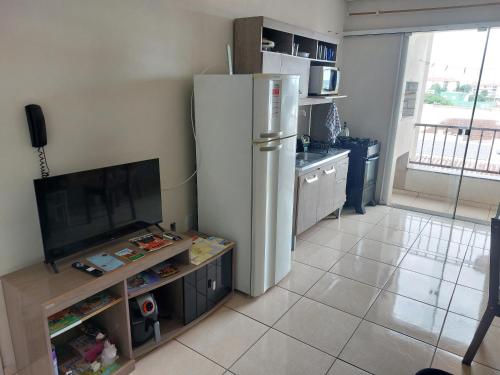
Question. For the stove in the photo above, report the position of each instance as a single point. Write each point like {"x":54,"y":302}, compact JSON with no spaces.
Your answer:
{"x":363,"y":168}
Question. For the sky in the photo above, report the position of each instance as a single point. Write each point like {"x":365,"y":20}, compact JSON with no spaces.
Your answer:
{"x":458,"y":54}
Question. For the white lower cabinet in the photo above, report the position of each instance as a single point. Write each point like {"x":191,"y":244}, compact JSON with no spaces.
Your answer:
{"x":320,"y":193}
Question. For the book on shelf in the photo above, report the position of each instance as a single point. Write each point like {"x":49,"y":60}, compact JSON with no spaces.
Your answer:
{"x":205,"y":247}
{"x":73,"y":315}
{"x":165,"y":269}
{"x":150,"y":242}
{"x":142,"y":280}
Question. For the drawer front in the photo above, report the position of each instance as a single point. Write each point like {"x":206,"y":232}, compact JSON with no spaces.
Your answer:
{"x":342,"y":167}
{"x":307,"y":200}
{"x":327,"y":191}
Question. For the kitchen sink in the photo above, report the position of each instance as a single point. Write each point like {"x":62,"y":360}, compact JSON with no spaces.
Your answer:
{"x":308,"y":156}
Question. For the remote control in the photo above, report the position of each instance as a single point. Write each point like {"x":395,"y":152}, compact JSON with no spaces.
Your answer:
{"x":172,"y":236}
{"x":87,"y":269}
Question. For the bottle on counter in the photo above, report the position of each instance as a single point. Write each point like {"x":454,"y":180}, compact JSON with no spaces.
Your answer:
{"x":345,"y":131}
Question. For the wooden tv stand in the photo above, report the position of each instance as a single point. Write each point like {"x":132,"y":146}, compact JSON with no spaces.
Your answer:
{"x":35,"y":293}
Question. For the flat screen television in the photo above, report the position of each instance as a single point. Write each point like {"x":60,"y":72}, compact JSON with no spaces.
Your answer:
{"x":84,"y":209}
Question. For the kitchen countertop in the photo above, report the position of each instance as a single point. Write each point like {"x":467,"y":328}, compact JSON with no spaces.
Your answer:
{"x":308,"y":161}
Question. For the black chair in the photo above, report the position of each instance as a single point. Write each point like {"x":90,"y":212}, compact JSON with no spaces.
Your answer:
{"x":493,"y":308}
{"x":432,"y":371}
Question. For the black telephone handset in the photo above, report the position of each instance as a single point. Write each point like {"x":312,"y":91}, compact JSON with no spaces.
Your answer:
{"x":38,"y":134}
{"x":36,"y":124}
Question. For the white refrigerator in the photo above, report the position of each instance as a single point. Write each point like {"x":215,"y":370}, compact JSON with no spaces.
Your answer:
{"x":246,"y":127}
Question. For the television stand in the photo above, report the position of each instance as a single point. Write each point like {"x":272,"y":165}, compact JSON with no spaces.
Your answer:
{"x":34,"y":294}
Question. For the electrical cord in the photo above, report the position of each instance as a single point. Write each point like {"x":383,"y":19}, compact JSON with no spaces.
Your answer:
{"x":44,"y":166}
{"x":193,"y":129}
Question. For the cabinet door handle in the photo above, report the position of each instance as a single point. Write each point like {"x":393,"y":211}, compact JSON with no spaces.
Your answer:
{"x":311,"y":180}
{"x":330,"y":171}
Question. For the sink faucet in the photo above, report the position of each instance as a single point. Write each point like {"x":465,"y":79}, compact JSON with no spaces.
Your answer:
{"x":306,"y":141}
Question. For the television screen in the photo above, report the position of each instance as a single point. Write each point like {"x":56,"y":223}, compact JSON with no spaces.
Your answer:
{"x":84,"y":209}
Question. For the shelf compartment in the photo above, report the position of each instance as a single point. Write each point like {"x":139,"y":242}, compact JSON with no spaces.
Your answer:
{"x":75,"y":315}
{"x":306,"y":45}
{"x":326,"y":52}
{"x":184,"y":269}
{"x":172,"y":328}
{"x":283,"y":41}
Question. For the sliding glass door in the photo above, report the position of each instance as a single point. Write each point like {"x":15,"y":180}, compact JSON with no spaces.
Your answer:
{"x":443,"y":71}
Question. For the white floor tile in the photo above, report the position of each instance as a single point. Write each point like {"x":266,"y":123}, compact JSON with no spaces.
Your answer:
{"x":267,"y":308}
{"x":392,"y":236}
{"x":330,"y":238}
{"x":382,"y":351}
{"x":344,"y":368}
{"x":224,"y":336}
{"x":278,"y":354}
{"x":420,"y":287}
{"x":364,"y":270}
{"x":432,"y":265}
{"x":407,"y":316}
{"x":346,"y":225}
{"x":318,"y":325}
{"x":316,"y":255}
{"x":344,"y":294}
{"x":175,"y":358}
{"x":301,"y":278}
{"x":379,"y":251}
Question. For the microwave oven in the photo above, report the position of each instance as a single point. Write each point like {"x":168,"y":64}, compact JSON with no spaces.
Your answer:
{"x":324,"y":80}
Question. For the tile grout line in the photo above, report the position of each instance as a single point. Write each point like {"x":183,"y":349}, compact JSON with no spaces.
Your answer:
{"x":203,"y":355}
{"x":269,"y":327}
{"x":447,"y":312}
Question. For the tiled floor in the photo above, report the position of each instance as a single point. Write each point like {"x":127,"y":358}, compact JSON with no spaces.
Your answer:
{"x":388,"y":293}
{"x":435,"y":203}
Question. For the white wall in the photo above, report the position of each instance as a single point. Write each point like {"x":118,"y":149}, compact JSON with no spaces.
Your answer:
{"x":418,"y":19}
{"x":369,"y":77}
{"x":114,"y":80}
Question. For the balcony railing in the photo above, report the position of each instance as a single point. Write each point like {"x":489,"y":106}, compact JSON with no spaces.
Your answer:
{"x":445,"y":146}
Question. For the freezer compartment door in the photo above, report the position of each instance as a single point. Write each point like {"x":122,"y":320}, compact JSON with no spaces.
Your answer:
{"x":272,"y":212}
{"x":275,"y":111}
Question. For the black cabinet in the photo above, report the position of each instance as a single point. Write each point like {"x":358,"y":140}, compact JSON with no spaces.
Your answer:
{"x":207,"y":286}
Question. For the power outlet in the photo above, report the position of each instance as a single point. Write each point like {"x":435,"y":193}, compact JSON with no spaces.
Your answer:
{"x":173,"y":226}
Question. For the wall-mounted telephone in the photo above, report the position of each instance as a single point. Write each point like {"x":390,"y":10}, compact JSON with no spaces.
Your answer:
{"x":38,"y":134}
{"x":36,"y":124}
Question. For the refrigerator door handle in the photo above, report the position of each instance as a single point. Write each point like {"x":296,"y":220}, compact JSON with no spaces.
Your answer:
{"x":271,"y":135}
{"x":270,"y":148}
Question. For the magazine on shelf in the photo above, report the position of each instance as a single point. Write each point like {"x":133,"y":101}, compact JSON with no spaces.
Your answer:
{"x":129,"y":255}
{"x":73,"y":315}
{"x":150,"y":242}
{"x":105,"y":261}
{"x":205,"y":247}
